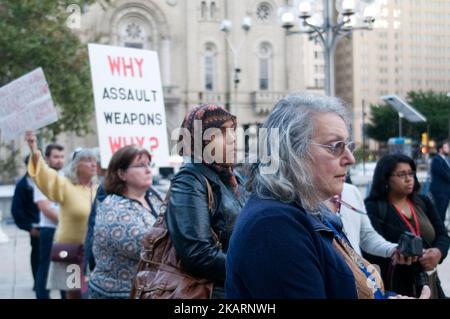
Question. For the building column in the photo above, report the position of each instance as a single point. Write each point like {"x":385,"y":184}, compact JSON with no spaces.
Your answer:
{"x":165,"y":62}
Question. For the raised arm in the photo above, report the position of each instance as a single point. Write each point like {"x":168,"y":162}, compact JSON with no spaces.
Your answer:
{"x":47,"y":179}
{"x":30,"y":137}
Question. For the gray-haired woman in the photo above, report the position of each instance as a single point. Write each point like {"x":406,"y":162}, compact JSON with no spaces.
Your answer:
{"x":75,"y":194}
{"x":285,"y":244}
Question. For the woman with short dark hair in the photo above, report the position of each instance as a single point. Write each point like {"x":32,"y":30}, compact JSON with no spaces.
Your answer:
{"x":125,"y":215}
{"x":394,"y":207}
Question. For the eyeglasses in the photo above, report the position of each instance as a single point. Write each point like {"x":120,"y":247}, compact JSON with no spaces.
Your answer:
{"x":338,"y":148}
{"x":404,"y":174}
{"x":142,"y":165}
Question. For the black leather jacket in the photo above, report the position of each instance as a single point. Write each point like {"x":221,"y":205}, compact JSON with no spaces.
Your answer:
{"x":189,"y":222}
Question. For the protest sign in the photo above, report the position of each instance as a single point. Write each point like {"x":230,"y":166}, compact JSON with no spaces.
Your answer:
{"x":26,"y":104}
{"x":129,"y":104}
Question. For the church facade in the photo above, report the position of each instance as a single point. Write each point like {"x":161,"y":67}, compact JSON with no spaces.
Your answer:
{"x":245,"y":71}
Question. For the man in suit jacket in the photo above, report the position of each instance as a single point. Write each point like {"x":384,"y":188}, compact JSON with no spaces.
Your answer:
{"x":440,"y":179}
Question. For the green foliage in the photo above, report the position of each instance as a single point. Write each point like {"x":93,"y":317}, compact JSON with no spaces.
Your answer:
{"x":8,"y":163}
{"x":34,"y":34}
{"x":434,"y":106}
{"x":384,"y":123}
{"x":366,"y":155}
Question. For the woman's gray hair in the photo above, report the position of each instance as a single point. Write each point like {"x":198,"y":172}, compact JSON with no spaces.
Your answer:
{"x":292,"y":119}
{"x":71,"y":170}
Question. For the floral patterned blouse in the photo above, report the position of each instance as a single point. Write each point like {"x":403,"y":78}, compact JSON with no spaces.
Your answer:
{"x":120,"y":225}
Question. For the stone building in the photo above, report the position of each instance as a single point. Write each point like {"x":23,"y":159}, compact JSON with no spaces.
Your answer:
{"x":199,"y":62}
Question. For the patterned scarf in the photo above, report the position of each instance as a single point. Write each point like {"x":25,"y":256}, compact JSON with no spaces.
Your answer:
{"x":365,"y":286}
{"x":212,"y":116}
{"x":367,"y":281}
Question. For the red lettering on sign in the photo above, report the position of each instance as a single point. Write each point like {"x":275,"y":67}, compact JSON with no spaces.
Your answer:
{"x":139,"y":62}
{"x":117,"y":142}
{"x":122,"y":66}
{"x":128,"y":66}
{"x":154,"y":143}
{"x":140,"y":141}
{"x":114,"y":65}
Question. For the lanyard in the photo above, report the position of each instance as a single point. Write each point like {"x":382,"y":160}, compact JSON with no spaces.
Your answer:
{"x":337,"y":200}
{"x":416,"y":222}
{"x":378,"y":294}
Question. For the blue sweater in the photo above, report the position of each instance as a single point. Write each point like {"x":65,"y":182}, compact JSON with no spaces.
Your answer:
{"x":277,"y":250}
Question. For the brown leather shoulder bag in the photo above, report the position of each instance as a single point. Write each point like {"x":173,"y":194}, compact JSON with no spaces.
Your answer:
{"x":159,"y":274}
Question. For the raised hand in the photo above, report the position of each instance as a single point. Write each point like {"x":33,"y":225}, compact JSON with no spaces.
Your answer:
{"x":30,"y":137}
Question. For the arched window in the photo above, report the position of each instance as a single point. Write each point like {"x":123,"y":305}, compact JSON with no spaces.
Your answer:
{"x":212,"y":10}
{"x":203,"y":9}
{"x":210,"y":67}
{"x":265,"y":65}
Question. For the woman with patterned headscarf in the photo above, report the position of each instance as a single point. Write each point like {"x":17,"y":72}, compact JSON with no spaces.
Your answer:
{"x":207,"y":141}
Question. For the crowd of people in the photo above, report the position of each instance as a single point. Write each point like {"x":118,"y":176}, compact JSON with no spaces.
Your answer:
{"x":299,"y":231}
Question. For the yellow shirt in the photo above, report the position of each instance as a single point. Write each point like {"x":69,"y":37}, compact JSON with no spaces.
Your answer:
{"x":75,"y":201}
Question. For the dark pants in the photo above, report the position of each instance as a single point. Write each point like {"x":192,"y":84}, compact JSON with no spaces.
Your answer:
{"x":45,"y":246}
{"x":34,"y":258}
{"x":441,"y":203}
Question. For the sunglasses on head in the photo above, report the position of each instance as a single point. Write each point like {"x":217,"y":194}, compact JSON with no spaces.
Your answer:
{"x":75,"y":152}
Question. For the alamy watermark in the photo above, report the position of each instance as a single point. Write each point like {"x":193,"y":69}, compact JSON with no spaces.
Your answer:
{"x":73,"y":280}
{"x":74,"y":19}
{"x":265,"y":151}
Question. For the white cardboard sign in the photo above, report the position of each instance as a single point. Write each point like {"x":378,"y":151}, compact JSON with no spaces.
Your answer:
{"x":26,"y":104}
{"x":129,"y":103}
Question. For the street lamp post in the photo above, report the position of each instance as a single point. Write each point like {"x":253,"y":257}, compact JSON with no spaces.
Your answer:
{"x":363,"y":129}
{"x":321,"y":27}
{"x":225,"y":27}
{"x":448,"y":94}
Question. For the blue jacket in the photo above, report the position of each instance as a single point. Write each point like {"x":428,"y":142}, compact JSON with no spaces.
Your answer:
{"x":277,"y":250}
{"x":440,"y":176}
{"x":23,"y":209}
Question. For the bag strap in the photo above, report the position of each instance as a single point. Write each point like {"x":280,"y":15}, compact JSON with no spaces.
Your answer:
{"x":382,"y":209}
{"x":420,"y":202}
{"x":210,"y":198}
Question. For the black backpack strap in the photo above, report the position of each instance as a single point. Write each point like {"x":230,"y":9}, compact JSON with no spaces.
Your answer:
{"x":420,"y":202}
{"x":382,"y":209}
